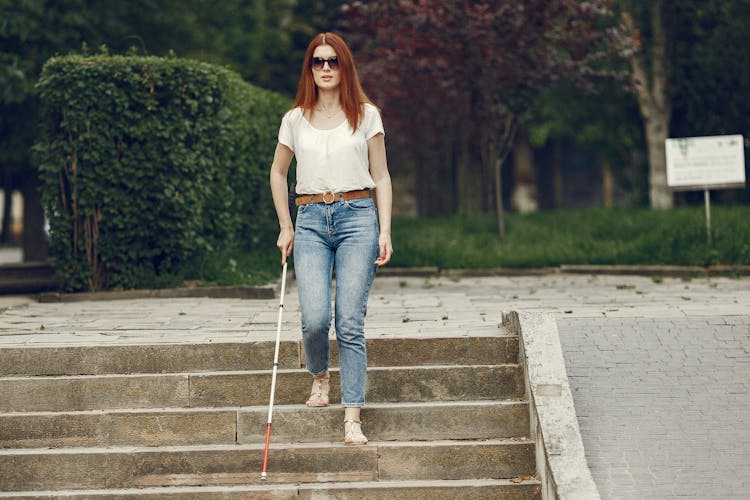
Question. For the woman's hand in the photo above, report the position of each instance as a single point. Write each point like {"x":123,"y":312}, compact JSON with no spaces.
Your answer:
{"x":282,"y":157}
{"x":383,"y":195}
{"x":386,"y":249}
{"x":285,"y":243}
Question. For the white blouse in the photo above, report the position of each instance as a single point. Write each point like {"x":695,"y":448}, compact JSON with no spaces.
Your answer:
{"x":332,"y":160}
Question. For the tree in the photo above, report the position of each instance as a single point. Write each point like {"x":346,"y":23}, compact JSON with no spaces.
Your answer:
{"x":605,"y":122}
{"x":651,"y":82}
{"x":690,"y":71}
{"x":30,"y":32}
{"x":710,"y":76}
{"x":257,"y":38}
{"x":455,"y":76}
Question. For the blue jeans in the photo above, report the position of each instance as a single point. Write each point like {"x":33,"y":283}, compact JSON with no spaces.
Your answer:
{"x":344,"y":236}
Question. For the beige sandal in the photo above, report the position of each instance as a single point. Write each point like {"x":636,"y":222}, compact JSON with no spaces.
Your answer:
{"x":353,"y":432}
{"x":319,"y":392}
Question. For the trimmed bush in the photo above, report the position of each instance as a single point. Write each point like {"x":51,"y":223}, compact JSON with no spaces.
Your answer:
{"x":148,"y":163}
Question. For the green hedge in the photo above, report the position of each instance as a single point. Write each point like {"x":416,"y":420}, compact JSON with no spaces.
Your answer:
{"x":148,"y":163}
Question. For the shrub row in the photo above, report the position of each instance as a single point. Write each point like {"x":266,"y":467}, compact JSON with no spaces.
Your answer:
{"x":149,"y":162}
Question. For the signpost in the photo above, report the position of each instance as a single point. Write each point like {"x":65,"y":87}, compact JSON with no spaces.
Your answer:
{"x":703,"y":163}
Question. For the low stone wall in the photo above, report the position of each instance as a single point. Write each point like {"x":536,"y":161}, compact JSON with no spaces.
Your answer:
{"x":560,"y":458}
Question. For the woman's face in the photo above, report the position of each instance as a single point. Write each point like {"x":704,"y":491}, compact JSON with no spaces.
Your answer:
{"x":326,"y":78}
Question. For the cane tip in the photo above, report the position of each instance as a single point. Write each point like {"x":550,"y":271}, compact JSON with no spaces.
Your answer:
{"x":263,"y":476}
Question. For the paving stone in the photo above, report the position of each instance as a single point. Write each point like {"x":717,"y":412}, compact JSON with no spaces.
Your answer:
{"x":665,"y":425}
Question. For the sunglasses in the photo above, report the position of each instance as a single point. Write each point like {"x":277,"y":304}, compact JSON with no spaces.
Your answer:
{"x":319,"y":62}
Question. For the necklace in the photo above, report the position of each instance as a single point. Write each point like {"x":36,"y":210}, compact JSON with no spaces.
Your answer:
{"x":328,"y":113}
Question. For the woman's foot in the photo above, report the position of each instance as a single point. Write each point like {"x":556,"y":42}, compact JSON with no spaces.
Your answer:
{"x":319,"y":392}
{"x":353,"y":427}
{"x":353,"y":432}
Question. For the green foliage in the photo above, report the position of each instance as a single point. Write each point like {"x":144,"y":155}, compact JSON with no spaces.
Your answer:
{"x":235,"y":266}
{"x":604,"y":120}
{"x":149,"y":163}
{"x":584,"y":236}
{"x":711,"y":82}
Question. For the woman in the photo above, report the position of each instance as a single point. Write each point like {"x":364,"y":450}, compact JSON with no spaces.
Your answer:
{"x":337,"y":136}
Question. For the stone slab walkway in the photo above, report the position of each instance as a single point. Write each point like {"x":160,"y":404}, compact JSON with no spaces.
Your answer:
{"x":659,"y":368}
{"x":663,"y":404}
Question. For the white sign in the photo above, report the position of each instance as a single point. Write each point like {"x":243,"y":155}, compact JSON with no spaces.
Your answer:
{"x":705,"y":162}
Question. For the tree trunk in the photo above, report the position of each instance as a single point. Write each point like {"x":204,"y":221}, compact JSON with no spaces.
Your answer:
{"x":653,"y":101}
{"x":660,"y":195}
{"x":35,"y":245}
{"x":500,"y":209}
{"x":469,"y":178}
{"x":608,"y":184}
{"x":525,"y":197}
{"x":557,"y":165}
{"x":5,"y":236}
{"x":497,"y":152}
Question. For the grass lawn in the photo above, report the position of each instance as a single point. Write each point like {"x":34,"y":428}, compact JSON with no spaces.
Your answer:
{"x":582,"y":236}
{"x":550,"y":238}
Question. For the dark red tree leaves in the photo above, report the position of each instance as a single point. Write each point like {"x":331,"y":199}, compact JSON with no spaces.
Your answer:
{"x":443,"y":67}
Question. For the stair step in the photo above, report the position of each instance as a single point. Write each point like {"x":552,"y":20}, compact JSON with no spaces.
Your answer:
{"x":497,"y":350}
{"x":27,"y":270}
{"x":294,"y":423}
{"x":476,"y":489}
{"x":18,"y":286}
{"x":384,"y":384}
{"x":144,"y":358}
{"x":179,"y":420}
{"x":238,"y":356}
{"x":127,"y":467}
{"x":491,"y":459}
{"x":27,"y":277}
{"x":392,"y":422}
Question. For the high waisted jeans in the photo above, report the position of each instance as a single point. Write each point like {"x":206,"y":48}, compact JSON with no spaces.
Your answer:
{"x":344,"y":236}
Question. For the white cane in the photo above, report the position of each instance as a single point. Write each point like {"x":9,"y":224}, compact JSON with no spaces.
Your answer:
{"x":263,"y":474}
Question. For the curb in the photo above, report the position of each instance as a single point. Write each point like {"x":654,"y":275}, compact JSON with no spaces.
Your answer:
{"x":269,"y":291}
{"x":214,"y":292}
{"x":560,"y":458}
{"x":664,"y":271}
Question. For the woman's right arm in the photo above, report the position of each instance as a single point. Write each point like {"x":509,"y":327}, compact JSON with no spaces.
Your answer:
{"x":282,"y":158}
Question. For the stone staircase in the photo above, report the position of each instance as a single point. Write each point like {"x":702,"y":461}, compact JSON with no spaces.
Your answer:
{"x":188,"y":421}
{"x":27,"y":277}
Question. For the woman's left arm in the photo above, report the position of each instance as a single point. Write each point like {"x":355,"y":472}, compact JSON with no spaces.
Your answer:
{"x":383,"y":195}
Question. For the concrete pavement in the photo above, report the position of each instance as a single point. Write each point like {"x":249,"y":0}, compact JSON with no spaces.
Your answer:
{"x":662,"y":404}
{"x":659,"y":368}
{"x":10,"y":255}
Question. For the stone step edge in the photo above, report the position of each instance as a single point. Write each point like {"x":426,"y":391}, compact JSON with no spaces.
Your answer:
{"x":502,"y":333}
{"x":283,"y":371}
{"x":114,"y":450}
{"x":280,"y":487}
{"x":91,"y":358}
{"x":264,"y":408}
{"x":295,"y":423}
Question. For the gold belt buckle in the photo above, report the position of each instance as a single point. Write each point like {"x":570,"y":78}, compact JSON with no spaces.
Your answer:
{"x":325,"y":200}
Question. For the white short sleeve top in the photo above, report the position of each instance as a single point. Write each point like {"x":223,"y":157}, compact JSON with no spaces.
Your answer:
{"x":332,"y":160}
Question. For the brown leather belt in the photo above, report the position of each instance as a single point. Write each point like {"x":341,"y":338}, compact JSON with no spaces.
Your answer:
{"x":329,"y":198}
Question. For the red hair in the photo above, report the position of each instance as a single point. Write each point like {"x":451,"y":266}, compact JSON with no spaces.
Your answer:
{"x":352,"y":98}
